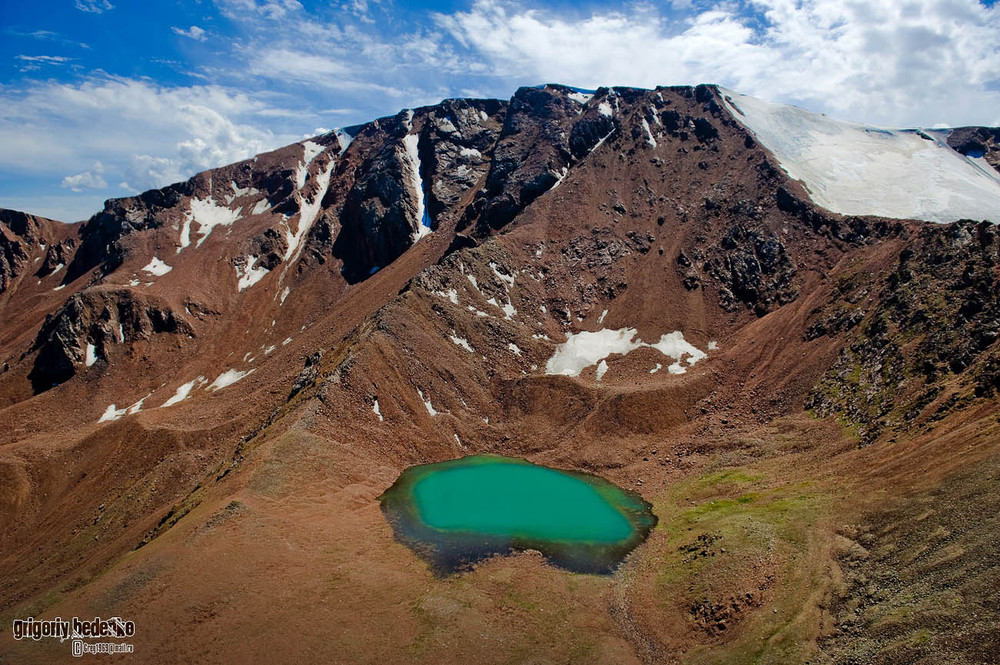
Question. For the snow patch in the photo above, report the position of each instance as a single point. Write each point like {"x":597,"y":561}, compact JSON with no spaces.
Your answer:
{"x":605,"y":109}
{"x":112,"y":414}
{"x":416,"y":182}
{"x":559,"y":178}
{"x":308,"y":212}
{"x":344,"y":139}
{"x":514,"y":348}
{"x":600,"y":319}
{"x":581,"y":350}
{"x":450,"y":294}
{"x":656,"y":369}
{"x":712,"y":346}
{"x":506,"y":279}
{"x":309,"y":152}
{"x":208,"y":215}
{"x":446,"y":125}
{"x":183,"y":391}
{"x":228,"y":378}
{"x":261,"y":207}
{"x":649,"y":135}
{"x":427,"y":403}
{"x":675,"y":346}
{"x":581,"y":97}
{"x":378,"y":411}
{"x":91,"y":355}
{"x":239,"y":193}
{"x":157,"y":267}
{"x":250,"y":275}
{"x":471,"y":153}
{"x":462,"y":342}
{"x":602,"y":368}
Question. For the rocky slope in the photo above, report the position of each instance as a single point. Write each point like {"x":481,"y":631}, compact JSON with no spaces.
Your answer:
{"x":207,"y":386}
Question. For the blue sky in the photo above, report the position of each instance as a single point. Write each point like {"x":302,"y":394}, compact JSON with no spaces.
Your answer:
{"x":106,"y":98}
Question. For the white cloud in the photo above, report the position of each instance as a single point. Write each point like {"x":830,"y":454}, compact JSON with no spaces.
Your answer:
{"x":92,"y":179}
{"x":94,"y":6}
{"x":270,"y":9}
{"x":194,"y":32}
{"x":879,"y":61}
{"x":36,"y":62}
{"x":141,"y":133}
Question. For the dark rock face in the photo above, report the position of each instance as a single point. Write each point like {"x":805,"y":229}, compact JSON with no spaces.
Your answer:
{"x":754,"y":269}
{"x":456,"y":156}
{"x":977,"y":142}
{"x":19,"y":223}
{"x":103,"y":318}
{"x":270,"y":246}
{"x":532,"y":150}
{"x":12,"y":255}
{"x":19,"y":233}
{"x":379,"y":215}
{"x":55,"y":256}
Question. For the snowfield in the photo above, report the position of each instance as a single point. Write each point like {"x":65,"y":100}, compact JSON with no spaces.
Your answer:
{"x":157,"y":267}
{"x":856,"y":169}
{"x":207,"y":214}
{"x":249,"y":275}
{"x":584,"y":349}
{"x":581,"y":350}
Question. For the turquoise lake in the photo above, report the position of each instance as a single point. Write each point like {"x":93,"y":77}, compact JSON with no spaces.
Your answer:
{"x":456,"y":512}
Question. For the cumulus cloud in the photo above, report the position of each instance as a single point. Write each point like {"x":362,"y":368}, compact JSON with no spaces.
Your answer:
{"x":94,"y":6}
{"x":194,"y":32}
{"x":142,"y":133}
{"x":881,"y":61}
{"x":92,"y":179}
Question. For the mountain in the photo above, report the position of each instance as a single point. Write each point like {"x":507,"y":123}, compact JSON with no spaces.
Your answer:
{"x":780,"y":329}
